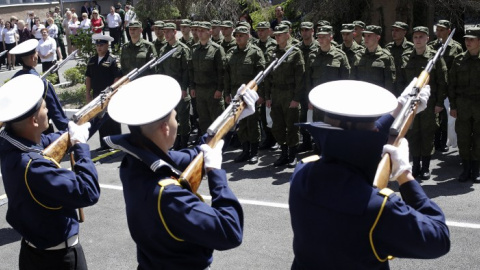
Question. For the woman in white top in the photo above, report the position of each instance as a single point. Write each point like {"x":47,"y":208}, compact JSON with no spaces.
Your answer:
{"x":2,"y":59}
{"x":47,"y":50}
{"x":53,"y":33}
{"x":73,"y":25}
{"x":86,"y":24}
{"x":9,"y":36}
{"x":36,"y":29}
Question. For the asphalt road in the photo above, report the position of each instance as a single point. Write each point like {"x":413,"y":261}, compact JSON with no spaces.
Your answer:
{"x":263,"y":191}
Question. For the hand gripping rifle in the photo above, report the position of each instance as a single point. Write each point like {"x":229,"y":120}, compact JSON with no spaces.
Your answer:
{"x":403,"y":121}
{"x":193,"y":174}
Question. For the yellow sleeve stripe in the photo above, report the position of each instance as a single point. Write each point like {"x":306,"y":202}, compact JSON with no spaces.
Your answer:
{"x":30,"y":191}
{"x":385,"y":192}
{"x":163,"y":184}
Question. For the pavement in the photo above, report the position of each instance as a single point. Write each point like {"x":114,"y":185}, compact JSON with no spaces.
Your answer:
{"x":263,"y":192}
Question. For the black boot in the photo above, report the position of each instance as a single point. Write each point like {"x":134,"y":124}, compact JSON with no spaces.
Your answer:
{"x":466,"y":171}
{"x":184,"y":141}
{"x":245,"y":155}
{"x":292,"y":156}
{"x":475,"y":174}
{"x":283,"y":159}
{"x":416,"y":167}
{"x":253,"y":153}
{"x":425,"y":172}
{"x":306,"y":144}
{"x":269,"y":140}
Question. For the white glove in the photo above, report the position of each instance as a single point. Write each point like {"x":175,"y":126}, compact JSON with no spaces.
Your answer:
{"x":423,"y":96}
{"x":249,"y":97}
{"x":78,"y":133}
{"x":399,"y":158}
{"x":212,"y":158}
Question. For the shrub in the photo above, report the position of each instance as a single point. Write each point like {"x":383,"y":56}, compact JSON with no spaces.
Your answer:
{"x":74,"y":96}
{"x":74,"y":75}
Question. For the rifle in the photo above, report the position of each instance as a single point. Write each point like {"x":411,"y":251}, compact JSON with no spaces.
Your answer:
{"x":193,"y":174}
{"x":59,"y":147}
{"x":58,"y":65}
{"x":403,"y":121}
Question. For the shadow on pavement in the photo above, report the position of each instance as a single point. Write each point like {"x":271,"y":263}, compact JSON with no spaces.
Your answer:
{"x":8,"y":236}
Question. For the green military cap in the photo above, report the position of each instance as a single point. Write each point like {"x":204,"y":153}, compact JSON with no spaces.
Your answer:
{"x":194,"y":24}
{"x":322,"y":23}
{"x":347,"y":28}
{"x":263,"y":25}
{"x":359,"y":23}
{"x":186,"y":22}
{"x":421,"y":29}
{"x":227,"y":24}
{"x":444,"y":24}
{"x":170,"y":25}
{"x":306,"y":25}
{"x":206,"y":25}
{"x":159,"y":24}
{"x":243,"y":23}
{"x":135,"y":24}
{"x":473,"y":32}
{"x":281,"y":28}
{"x":216,"y":22}
{"x":373,"y":29}
{"x":325,"y":30}
{"x":400,"y":25}
{"x":241,"y":29}
{"x":288,"y":23}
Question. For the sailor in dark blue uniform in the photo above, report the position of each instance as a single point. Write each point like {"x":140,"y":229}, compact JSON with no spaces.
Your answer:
{"x":339,"y":220}
{"x":26,"y":51}
{"x":172,"y":227}
{"x":42,"y":197}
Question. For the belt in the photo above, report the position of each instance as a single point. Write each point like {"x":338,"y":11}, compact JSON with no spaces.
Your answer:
{"x":72,"y":241}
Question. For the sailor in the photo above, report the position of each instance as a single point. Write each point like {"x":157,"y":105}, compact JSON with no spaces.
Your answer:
{"x":42,"y":197}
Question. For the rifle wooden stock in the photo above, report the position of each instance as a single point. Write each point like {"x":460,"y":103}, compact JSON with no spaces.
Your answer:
{"x":60,"y":146}
{"x":193,"y":174}
{"x":384,"y":168}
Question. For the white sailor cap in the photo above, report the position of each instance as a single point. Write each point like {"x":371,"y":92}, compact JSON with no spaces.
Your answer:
{"x":25,"y":48}
{"x":20,"y":97}
{"x":101,"y":39}
{"x":145,"y":100}
{"x":355,"y":100}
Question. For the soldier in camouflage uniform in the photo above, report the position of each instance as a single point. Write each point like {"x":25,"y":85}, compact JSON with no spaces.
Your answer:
{"x":307,"y":45}
{"x":187,"y":37}
{"x":136,"y":52}
{"x":292,"y":40}
{"x":216,"y":31}
{"x":397,"y":47}
{"x":176,"y":66}
{"x":320,"y":24}
{"x":194,"y":28}
{"x":160,"y":34}
{"x":206,"y":76}
{"x":421,"y":135}
{"x":265,"y":42}
{"x":374,"y":64}
{"x":228,"y":39}
{"x":284,"y":90}
{"x":243,"y":63}
{"x":325,"y":64}
{"x":359,"y":27}
{"x":349,"y":45}
{"x":464,"y":95}
{"x":454,"y":48}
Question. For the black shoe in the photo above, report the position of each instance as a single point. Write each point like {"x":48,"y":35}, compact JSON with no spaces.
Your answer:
{"x":275,"y":147}
{"x":304,"y":147}
{"x":465,"y":175}
{"x":475,"y":173}
{"x":292,"y":157}
{"x":253,"y":159}
{"x":283,"y":159}
{"x":245,"y":155}
{"x":425,"y":175}
{"x":253,"y":153}
{"x":442,"y":149}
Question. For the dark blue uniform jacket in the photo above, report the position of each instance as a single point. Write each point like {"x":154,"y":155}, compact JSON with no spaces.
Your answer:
{"x":333,"y":207}
{"x":195,"y":229}
{"x":42,"y":198}
{"x":55,"y":110}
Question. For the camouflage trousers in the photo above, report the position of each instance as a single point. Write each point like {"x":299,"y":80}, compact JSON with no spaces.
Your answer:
{"x":284,"y":118}
{"x":421,"y":136}
{"x":467,"y":127}
{"x":208,"y":108}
